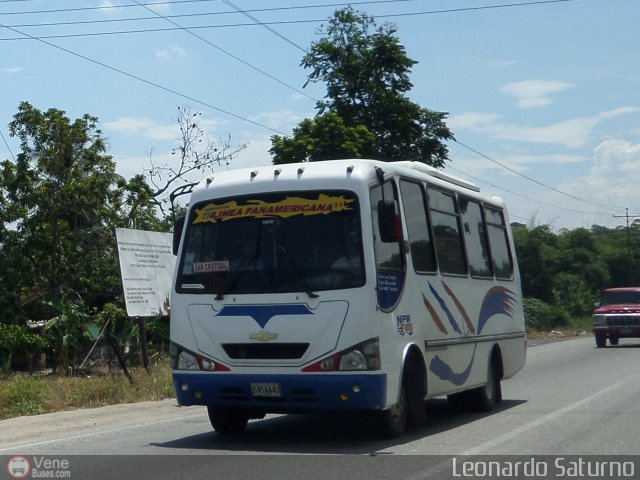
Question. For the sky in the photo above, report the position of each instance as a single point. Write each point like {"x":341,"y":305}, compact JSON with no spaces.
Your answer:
{"x":543,"y":97}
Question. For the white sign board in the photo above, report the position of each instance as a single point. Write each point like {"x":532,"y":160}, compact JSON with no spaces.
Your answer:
{"x":146,"y":265}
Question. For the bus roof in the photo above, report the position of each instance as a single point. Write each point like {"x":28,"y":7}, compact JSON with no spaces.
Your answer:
{"x":326,"y":170}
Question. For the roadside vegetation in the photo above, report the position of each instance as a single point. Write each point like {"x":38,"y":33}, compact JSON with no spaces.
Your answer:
{"x":25,"y":394}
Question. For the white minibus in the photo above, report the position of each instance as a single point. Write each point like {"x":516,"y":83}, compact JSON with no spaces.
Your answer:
{"x":343,"y":286}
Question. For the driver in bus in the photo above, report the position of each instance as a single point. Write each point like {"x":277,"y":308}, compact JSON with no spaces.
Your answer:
{"x":351,"y":257}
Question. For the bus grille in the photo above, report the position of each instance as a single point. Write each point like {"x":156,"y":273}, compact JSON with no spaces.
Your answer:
{"x":272,"y":351}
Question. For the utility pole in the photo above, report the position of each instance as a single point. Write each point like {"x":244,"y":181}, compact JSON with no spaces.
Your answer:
{"x":627,"y":215}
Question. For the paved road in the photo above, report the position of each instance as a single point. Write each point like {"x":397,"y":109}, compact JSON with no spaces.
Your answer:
{"x":570,"y":399}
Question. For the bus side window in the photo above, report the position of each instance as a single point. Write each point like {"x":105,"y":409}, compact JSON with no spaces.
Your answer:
{"x":475,"y":236}
{"x":500,"y":251}
{"x":389,"y":257}
{"x":446,"y":231}
{"x":388,"y":254}
{"x":414,"y":205}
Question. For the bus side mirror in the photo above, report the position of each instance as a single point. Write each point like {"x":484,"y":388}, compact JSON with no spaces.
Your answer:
{"x":178,"y":226}
{"x":388,"y":221}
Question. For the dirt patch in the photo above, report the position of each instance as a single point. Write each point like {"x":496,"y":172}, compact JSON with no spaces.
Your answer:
{"x":538,"y":338}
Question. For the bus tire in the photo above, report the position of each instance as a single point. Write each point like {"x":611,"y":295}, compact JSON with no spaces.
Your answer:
{"x":414,"y":380}
{"x":227,"y":421}
{"x":393,"y":421}
{"x":490,"y":393}
{"x":601,"y":341}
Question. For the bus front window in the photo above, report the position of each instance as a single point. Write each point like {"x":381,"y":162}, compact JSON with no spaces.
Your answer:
{"x":275,"y":243}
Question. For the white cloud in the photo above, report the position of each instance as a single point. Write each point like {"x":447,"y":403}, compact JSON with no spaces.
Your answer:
{"x":613,"y":177}
{"x":143,"y":127}
{"x":11,"y":69}
{"x":171,"y":52}
{"x":573,"y":133}
{"x":256,"y":154}
{"x":473,"y":121}
{"x":280,"y":120}
{"x":503,"y":63}
{"x":556,"y":159}
{"x":534,"y":93}
{"x":620,"y":157}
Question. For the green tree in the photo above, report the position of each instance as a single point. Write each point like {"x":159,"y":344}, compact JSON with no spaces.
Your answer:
{"x":58,"y":195}
{"x":366,"y":71}
{"x":324,"y":137}
{"x":60,"y":201}
{"x":537,"y":260}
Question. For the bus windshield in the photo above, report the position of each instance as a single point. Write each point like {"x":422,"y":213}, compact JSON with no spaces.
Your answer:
{"x":273,"y":243}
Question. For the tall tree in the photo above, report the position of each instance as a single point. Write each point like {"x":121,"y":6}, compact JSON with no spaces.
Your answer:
{"x":59,"y":203}
{"x":58,"y":195}
{"x":324,"y":137}
{"x":366,"y":71}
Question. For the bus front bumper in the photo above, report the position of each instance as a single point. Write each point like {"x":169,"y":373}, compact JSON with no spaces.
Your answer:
{"x":272,"y":393}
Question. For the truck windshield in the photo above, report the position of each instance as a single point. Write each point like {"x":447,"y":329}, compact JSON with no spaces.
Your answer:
{"x":273,"y":243}
{"x":620,"y":297}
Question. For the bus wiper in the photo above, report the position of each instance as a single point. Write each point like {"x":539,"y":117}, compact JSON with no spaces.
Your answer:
{"x":296,"y":270}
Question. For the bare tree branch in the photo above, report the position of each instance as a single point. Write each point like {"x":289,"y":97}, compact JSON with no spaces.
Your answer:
{"x":195,"y":153}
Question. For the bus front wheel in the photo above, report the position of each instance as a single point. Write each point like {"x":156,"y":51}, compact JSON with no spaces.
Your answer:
{"x":393,"y":421}
{"x":227,"y":421}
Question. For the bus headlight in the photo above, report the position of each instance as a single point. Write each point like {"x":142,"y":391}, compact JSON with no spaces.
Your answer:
{"x":186,"y":361}
{"x":363,"y":356}
{"x":183,"y":359}
{"x":354,"y":360}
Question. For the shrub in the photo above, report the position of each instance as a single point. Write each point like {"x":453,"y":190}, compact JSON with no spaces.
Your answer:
{"x":539,"y":315}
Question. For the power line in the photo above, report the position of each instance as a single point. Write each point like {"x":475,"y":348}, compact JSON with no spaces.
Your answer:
{"x":264,"y":24}
{"x":257,"y":21}
{"x":537,"y":182}
{"x":272,"y":9}
{"x":524,"y":197}
{"x":143,"y":80}
{"x":7,"y":145}
{"x":107,"y":7}
{"x":187,"y":30}
{"x":150,"y":30}
{"x":151,"y":4}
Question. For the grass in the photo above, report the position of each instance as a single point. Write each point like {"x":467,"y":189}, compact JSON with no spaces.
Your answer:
{"x":574,"y":329}
{"x":23,"y":394}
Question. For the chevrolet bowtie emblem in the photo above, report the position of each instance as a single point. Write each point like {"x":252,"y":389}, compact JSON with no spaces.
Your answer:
{"x":263,"y":336}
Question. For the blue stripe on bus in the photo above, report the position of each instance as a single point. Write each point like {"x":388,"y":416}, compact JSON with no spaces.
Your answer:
{"x":263,"y":313}
{"x":300,"y":393}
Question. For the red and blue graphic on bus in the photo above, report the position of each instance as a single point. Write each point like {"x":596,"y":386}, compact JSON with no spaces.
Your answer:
{"x":497,"y":301}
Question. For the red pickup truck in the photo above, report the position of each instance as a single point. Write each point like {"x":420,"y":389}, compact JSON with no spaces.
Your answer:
{"x":617,"y":316}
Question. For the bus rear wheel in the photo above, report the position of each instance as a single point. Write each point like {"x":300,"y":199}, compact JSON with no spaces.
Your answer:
{"x":227,"y":421}
{"x":491,"y":393}
{"x":482,"y":398}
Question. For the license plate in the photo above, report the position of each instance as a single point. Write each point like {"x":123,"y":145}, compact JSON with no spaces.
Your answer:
{"x":266,"y":390}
